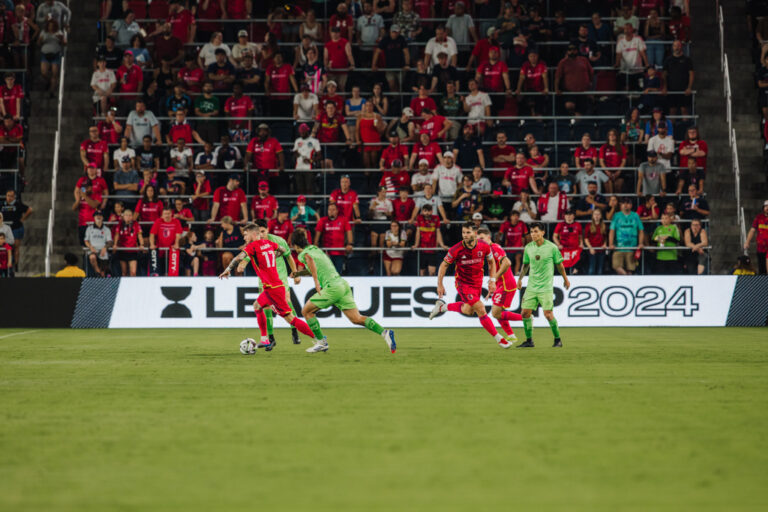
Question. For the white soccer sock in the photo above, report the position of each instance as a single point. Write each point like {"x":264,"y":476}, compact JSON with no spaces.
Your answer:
{"x":444,"y":308}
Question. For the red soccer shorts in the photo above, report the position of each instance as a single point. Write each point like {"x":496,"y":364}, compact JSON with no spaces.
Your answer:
{"x":274,"y":297}
{"x":469,"y":295}
{"x":503,"y":298}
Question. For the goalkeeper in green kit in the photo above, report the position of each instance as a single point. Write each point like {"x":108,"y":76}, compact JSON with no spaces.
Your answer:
{"x":540,"y":256}
{"x":282,"y":271}
{"x":332,"y":290}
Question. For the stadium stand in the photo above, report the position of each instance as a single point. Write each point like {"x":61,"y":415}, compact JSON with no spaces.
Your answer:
{"x":288,"y":100}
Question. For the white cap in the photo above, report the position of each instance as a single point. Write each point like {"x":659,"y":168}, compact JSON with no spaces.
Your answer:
{"x":448,"y":153}
{"x":426,"y":162}
{"x":332,"y":82}
{"x":408,"y":111}
{"x":765,"y":203}
{"x":477,"y":215}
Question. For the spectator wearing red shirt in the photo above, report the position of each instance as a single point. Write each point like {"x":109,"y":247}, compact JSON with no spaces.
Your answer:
{"x":334,"y":231}
{"x":264,"y":205}
{"x":520,"y":177}
{"x":435,"y":124}
{"x":281,"y":226}
{"x":128,"y":237}
{"x":330,"y":95}
{"x":191,"y":75}
{"x":328,"y":128}
{"x":11,"y":135}
{"x":201,"y":190}
{"x":264,"y":158}
{"x":422,"y":101}
{"x":493,"y":75}
{"x":613,"y":156}
{"x":482,"y":48}
{"x":238,"y":107}
{"x":513,"y":233}
{"x":130,"y":79}
{"x":182,"y":22}
{"x":337,"y":58}
{"x":149,"y":208}
{"x":693,"y":147}
{"x":502,"y":156}
{"x":181,"y":129}
{"x":402,"y":206}
{"x":567,"y":237}
{"x":679,"y":25}
{"x":428,"y":237}
{"x":235,"y":10}
{"x":395,"y":179}
{"x":11,"y":94}
{"x":165,"y":232}
{"x":182,"y":213}
{"x":278,"y":84}
{"x":395,"y":151}
{"x":427,"y":150}
{"x":343,"y":21}
{"x":346,"y":200}
{"x":642,"y":8}
{"x":229,"y":201}
{"x":760,"y":228}
{"x":574,"y":74}
{"x":533,"y":78}
{"x":585,"y":151}
{"x":168,"y":47}
{"x":109,"y":128}
{"x":91,"y":193}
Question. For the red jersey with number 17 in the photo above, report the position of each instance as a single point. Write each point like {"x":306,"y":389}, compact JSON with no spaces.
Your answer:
{"x":507,"y":281}
{"x":263,"y":254}
{"x":469,"y":263}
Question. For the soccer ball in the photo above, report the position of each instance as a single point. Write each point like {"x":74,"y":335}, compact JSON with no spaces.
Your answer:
{"x":248,"y":346}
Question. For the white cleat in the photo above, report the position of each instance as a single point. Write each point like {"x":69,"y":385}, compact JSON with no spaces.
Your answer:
{"x":512,"y":338}
{"x":319,"y":346}
{"x":437,"y":309}
{"x":505,"y":344}
{"x":389,"y":337}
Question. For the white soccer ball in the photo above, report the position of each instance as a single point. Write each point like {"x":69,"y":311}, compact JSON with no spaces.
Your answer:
{"x":248,"y":346}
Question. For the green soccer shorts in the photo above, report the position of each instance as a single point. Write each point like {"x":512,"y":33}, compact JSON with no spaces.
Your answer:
{"x":533,"y":299}
{"x":336,"y":293}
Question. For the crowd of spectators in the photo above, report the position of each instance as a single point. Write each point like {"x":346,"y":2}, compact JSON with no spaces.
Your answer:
{"x":380,"y":126}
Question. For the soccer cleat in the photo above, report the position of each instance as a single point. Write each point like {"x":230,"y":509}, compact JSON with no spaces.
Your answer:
{"x":295,"y":336}
{"x":389,"y":337}
{"x":526,"y":344}
{"x":557,"y":343}
{"x":319,"y":346}
{"x":512,"y":338}
{"x":437,"y":309}
{"x":268,"y":345}
{"x":505,"y":344}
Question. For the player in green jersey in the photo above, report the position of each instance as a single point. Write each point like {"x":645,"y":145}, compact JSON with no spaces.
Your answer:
{"x":332,"y":290}
{"x":540,"y":256}
{"x":282,"y":271}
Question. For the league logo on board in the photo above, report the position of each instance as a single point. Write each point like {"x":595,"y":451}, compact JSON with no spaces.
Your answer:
{"x":176,"y":294}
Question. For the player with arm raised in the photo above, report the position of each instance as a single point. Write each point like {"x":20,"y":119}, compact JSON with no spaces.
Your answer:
{"x":282,"y":271}
{"x":505,"y":286}
{"x":264,"y":254}
{"x":541,"y":256}
{"x":332,"y":290}
{"x":469,"y":255}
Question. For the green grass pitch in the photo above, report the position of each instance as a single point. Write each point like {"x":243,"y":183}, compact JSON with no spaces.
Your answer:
{"x":178,"y":420}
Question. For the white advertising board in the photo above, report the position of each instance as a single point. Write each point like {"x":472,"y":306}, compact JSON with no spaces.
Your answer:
{"x":607,"y":301}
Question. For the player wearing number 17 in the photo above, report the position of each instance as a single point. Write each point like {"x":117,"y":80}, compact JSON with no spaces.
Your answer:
{"x":469,"y":255}
{"x":540,"y":256}
{"x":264,"y":254}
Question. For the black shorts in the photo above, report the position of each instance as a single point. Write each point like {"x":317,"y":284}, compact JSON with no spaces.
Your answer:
{"x":428,"y":260}
{"x":128,"y":255}
{"x":332,"y":153}
{"x":379,"y":228}
{"x":763,"y":97}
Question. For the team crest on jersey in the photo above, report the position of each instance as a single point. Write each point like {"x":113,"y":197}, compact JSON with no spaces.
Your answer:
{"x":538,"y":257}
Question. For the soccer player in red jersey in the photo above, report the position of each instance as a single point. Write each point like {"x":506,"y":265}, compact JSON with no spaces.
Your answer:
{"x":469,"y":255}
{"x":264,"y":254}
{"x":506,"y":286}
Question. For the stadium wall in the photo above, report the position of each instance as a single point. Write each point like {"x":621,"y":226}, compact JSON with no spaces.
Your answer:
{"x":600,"y":301}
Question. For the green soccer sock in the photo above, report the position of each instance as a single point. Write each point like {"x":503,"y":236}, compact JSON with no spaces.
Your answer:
{"x":314,"y":324}
{"x":373,"y":325}
{"x":268,"y":312}
{"x":528,"y":327}
{"x":554,"y":327}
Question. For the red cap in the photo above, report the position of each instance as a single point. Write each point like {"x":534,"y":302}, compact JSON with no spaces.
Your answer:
{"x":301,"y":198}
{"x":263,"y":185}
{"x":494,"y":48}
{"x":171,"y":169}
{"x":91,"y":164}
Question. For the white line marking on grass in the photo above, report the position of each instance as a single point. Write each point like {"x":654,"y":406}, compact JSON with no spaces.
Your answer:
{"x":16,"y":334}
